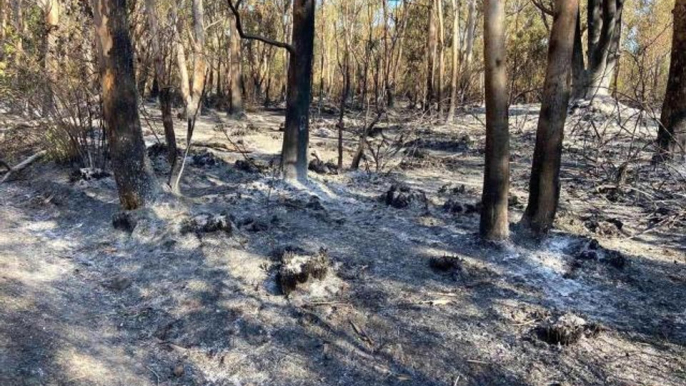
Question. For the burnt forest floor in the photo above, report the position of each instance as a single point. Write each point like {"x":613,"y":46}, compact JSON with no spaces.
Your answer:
{"x":412,"y":297}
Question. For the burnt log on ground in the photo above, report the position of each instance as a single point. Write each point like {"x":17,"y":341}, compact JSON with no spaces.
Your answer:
{"x":23,"y":165}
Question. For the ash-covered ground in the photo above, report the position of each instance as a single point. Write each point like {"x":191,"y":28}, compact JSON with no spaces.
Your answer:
{"x":190,"y":291}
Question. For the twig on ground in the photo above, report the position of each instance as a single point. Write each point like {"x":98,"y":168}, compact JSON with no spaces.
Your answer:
{"x":154,"y":372}
{"x":362,"y":333}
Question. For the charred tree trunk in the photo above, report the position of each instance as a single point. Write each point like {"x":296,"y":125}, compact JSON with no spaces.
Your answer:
{"x":578,"y":65}
{"x":494,"y":216}
{"x":672,"y":134}
{"x":544,"y":186}
{"x":133,"y":172}
{"x":155,"y":88}
{"x":341,"y":115}
{"x":296,"y":136}
{"x":235,"y":108}
{"x":162,"y":79}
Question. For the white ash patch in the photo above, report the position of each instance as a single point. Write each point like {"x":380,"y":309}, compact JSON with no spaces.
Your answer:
{"x":545,"y":268}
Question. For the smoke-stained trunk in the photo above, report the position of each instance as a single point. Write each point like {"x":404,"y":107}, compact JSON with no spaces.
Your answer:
{"x":544,"y":186}
{"x":672,"y":133}
{"x":235,"y":108}
{"x":136,"y":182}
{"x":578,"y":65}
{"x":296,"y":136}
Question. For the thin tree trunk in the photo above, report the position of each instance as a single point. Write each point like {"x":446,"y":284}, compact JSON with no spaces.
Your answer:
{"x":236,"y":108}
{"x":20,"y":29}
{"x":603,"y":48}
{"x":155,"y":88}
{"x":296,"y":135}
{"x":162,"y":79}
{"x":441,"y":58}
{"x":578,"y":65}
{"x":192,"y":89}
{"x":672,"y":134}
{"x":322,"y":50}
{"x":456,"y":61}
{"x":52,"y":19}
{"x":136,"y":182}
{"x":494,"y":216}
{"x":544,"y":186}
{"x":346,"y":86}
{"x":430,"y":58}
{"x":199,"y":60}
{"x":469,"y":49}
{"x":3,"y":26}
{"x":341,"y":116}
{"x":386,"y":56}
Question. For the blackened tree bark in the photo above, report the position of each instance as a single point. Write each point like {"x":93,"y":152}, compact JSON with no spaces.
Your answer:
{"x":235,"y":108}
{"x":672,"y":133}
{"x":544,"y":186}
{"x":299,"y":90}
{"x":296,"y":136}
{"x":136,"y":182}
{"x":494,"y":216}
{"x":578,"y":65}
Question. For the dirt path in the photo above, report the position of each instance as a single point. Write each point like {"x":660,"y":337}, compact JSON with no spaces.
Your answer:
{"x":59,"y":324}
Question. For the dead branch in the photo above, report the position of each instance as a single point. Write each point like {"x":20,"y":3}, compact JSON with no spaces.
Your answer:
{"x":23,"y":165}
{"x":243,"y":35}
{"x":363,"y":140}
{"x":543,"y":8}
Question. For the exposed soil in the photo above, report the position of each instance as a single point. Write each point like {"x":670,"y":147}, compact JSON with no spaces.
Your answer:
{"x":187,"y":292}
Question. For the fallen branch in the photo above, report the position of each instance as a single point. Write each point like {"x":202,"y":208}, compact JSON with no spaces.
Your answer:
{"x":361,"y":332}
{"x":221,"y":147}
{"x":23,"y":165}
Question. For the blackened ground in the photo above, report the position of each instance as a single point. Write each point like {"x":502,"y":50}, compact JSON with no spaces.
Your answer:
{"x":411,"y":296}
